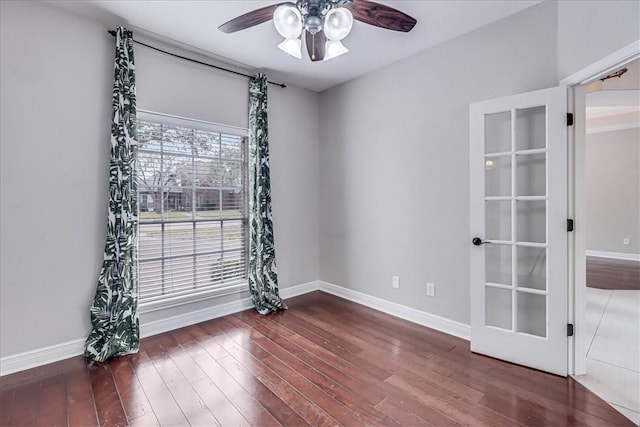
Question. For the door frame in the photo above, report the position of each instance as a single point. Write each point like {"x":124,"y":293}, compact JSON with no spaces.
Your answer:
{"x":576,"y":175}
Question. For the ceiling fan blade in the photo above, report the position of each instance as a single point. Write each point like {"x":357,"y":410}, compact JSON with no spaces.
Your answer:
{"x":382,"y":16}
{"x":250,"y":19}
{"x":315,"y":45}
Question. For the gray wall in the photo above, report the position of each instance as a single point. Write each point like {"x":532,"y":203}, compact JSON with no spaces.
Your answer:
{"x":56,"y":79}
{"x":53,"y":145}
{"x":394,"y":181}
{"x":613,"y":191}
{"x":589,"y":30}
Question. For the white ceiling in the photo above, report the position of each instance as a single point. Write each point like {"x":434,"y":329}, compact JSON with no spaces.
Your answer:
{"x":195,"y":24}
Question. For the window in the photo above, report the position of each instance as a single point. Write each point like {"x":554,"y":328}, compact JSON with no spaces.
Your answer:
{"x":192,"y":194}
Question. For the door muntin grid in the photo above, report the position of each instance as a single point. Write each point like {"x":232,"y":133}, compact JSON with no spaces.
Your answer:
{"x":516,"y":215}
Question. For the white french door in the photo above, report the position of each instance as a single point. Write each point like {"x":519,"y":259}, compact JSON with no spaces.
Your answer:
{"x":518,"y":224}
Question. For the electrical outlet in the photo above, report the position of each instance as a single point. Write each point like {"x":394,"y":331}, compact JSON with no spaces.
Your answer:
{"x":431,"y":289}
{"x":626,"y":241}
{"x":395,"y":282}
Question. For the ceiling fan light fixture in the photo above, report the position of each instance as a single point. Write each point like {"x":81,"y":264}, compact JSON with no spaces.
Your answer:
{"x":338,"y":23}
{"x":324,"y":23}
{"x":292,"y":46}
{"x":288,"y":21}
{"x":333,"y":49}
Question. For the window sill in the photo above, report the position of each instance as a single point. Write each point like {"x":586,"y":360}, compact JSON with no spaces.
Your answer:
{"x":179,"y":300}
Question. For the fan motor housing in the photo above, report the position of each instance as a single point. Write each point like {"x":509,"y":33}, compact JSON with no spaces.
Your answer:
{"x":313,"y":24}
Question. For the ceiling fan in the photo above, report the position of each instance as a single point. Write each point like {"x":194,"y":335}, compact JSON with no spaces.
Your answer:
{"x":324,"y":23}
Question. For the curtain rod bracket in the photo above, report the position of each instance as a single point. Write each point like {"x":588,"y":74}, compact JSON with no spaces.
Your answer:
{"x":282,"y":85}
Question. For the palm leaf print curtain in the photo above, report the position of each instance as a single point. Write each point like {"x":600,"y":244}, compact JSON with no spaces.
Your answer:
{"x":263,"y":278}
{"x":114,"y":312}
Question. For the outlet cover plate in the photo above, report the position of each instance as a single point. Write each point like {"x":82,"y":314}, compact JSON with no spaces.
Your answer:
{"x":431,"y":289}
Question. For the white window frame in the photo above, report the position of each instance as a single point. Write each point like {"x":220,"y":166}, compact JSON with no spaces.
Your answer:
{"x":231,"y":289}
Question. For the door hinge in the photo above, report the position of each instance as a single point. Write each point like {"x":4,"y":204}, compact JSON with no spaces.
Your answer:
{"x":569,"y":119}
{"x":569,"y":329}
{"x":570,"y":225}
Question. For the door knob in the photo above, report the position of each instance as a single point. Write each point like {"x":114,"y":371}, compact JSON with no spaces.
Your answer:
{"x":477,"y":241}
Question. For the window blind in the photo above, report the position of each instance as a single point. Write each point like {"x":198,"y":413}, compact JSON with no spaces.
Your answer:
{"x":192,"y":196}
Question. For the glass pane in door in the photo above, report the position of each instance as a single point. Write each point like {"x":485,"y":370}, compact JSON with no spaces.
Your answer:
{"x":531,"y":128}
{"x":531,"y":221}
{"x":497,"y":132}
{"x":498,"y":266}
{"x":532,"y":267}
{"x":531,"y":175}
{"x":532,"y":314}
{"x":498,"y":307}
{"x":497,"y":220}
{"x":497,"y":172}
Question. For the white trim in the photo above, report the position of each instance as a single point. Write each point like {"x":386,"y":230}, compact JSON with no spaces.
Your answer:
{"x":576,"y":102}
{"x":40,"y":356}
{"x":304,"y":288}
{"x":613,"y":128}
{"x":614,"y":255}
{"x":604,"y":65}
{"x":423,"y":318}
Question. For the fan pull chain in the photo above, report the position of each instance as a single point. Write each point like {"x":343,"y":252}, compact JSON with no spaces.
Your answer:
{"x":313,"y":47}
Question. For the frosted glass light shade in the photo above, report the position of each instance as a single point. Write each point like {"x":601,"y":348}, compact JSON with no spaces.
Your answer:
{"x":288,"y":21}
{"x":338,"y":23}
{"x":293,"y":47}
{"x":333,"y":49}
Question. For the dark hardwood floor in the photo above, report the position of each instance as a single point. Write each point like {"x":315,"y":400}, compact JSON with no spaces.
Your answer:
{"x":613,"y":274}
{"x":324,"y":362}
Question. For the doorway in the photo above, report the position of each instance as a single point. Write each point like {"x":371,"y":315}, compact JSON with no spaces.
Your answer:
{"x":607,"y":260}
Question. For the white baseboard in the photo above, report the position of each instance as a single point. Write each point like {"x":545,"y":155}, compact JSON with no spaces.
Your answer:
{"x":55,"y":353}
{"x":614,"y":255}
{"x":199,"y":316}
{"x":305,"y":288}
{"x":432,"y":321}
{"x":40,"y":356}
{"x":191,"y":318}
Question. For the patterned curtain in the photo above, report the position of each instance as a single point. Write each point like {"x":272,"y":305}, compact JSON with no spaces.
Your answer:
{"x":114,"y":312}
{"x":263,"y":279}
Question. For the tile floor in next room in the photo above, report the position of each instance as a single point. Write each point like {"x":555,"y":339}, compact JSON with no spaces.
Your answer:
{"x":613,"y":356}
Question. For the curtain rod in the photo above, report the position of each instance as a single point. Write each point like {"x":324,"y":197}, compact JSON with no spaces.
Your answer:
{"x":282,"y":85}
